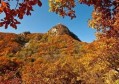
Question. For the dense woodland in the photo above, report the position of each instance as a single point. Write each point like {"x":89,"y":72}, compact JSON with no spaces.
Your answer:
{"x":36,"y":58}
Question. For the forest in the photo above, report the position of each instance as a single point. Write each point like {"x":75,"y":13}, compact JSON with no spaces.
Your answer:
{"x":59,"y":56}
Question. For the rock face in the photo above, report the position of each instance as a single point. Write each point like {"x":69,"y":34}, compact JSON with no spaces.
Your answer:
{"x":61,"y":29}
{"x":25,"y":33}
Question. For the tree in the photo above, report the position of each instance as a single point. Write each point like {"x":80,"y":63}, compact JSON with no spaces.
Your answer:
{"x":105,"y":16}
{"x":22,"y":8}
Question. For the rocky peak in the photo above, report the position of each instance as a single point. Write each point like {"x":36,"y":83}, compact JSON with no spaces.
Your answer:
{"x":61,"y":29}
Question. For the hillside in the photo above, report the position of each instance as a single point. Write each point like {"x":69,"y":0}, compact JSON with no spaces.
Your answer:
{"x":57,"y":57}
{"x":52,"y":43}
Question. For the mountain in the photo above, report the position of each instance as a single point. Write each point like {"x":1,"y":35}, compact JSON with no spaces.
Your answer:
{"x":56,"y":41}
{"x":24,"y":48}
{"x":57,"y":57}
{"x":59,"y":40}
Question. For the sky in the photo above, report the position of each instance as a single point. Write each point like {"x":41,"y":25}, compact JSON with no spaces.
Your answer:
{"x":42,"y":20}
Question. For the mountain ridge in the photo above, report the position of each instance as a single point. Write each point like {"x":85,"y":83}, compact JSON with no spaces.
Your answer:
{"x":15,"y":43}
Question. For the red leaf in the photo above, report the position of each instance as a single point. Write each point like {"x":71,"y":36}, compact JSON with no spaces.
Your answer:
{"x":28,"y":13}
{"x":6,"y":25}
{"x":13,"y":25}
{"x":20,"y":16}
{"x":39,"y":3}
{"x":1,"y":24}
{"x":16,"y":22}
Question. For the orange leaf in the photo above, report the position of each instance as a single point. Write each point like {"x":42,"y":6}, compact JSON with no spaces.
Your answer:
{"x":1,"y":9}
{"x":13,"y":25}
{"x":3,"y":4}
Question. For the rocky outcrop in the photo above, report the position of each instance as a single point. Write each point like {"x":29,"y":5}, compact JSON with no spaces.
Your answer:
{"x":25,"y":33}
{"x":61,"y":29}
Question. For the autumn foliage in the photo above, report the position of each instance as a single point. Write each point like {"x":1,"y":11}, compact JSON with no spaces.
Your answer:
{"x":22,"y":8}
{"x":43,"y":58}
{"x":105,"y":16}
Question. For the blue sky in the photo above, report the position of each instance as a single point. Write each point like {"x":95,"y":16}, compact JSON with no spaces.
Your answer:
{"x":42,"y":20}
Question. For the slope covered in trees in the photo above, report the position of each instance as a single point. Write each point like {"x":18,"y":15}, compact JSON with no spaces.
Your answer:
{"x":30,"y":58}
